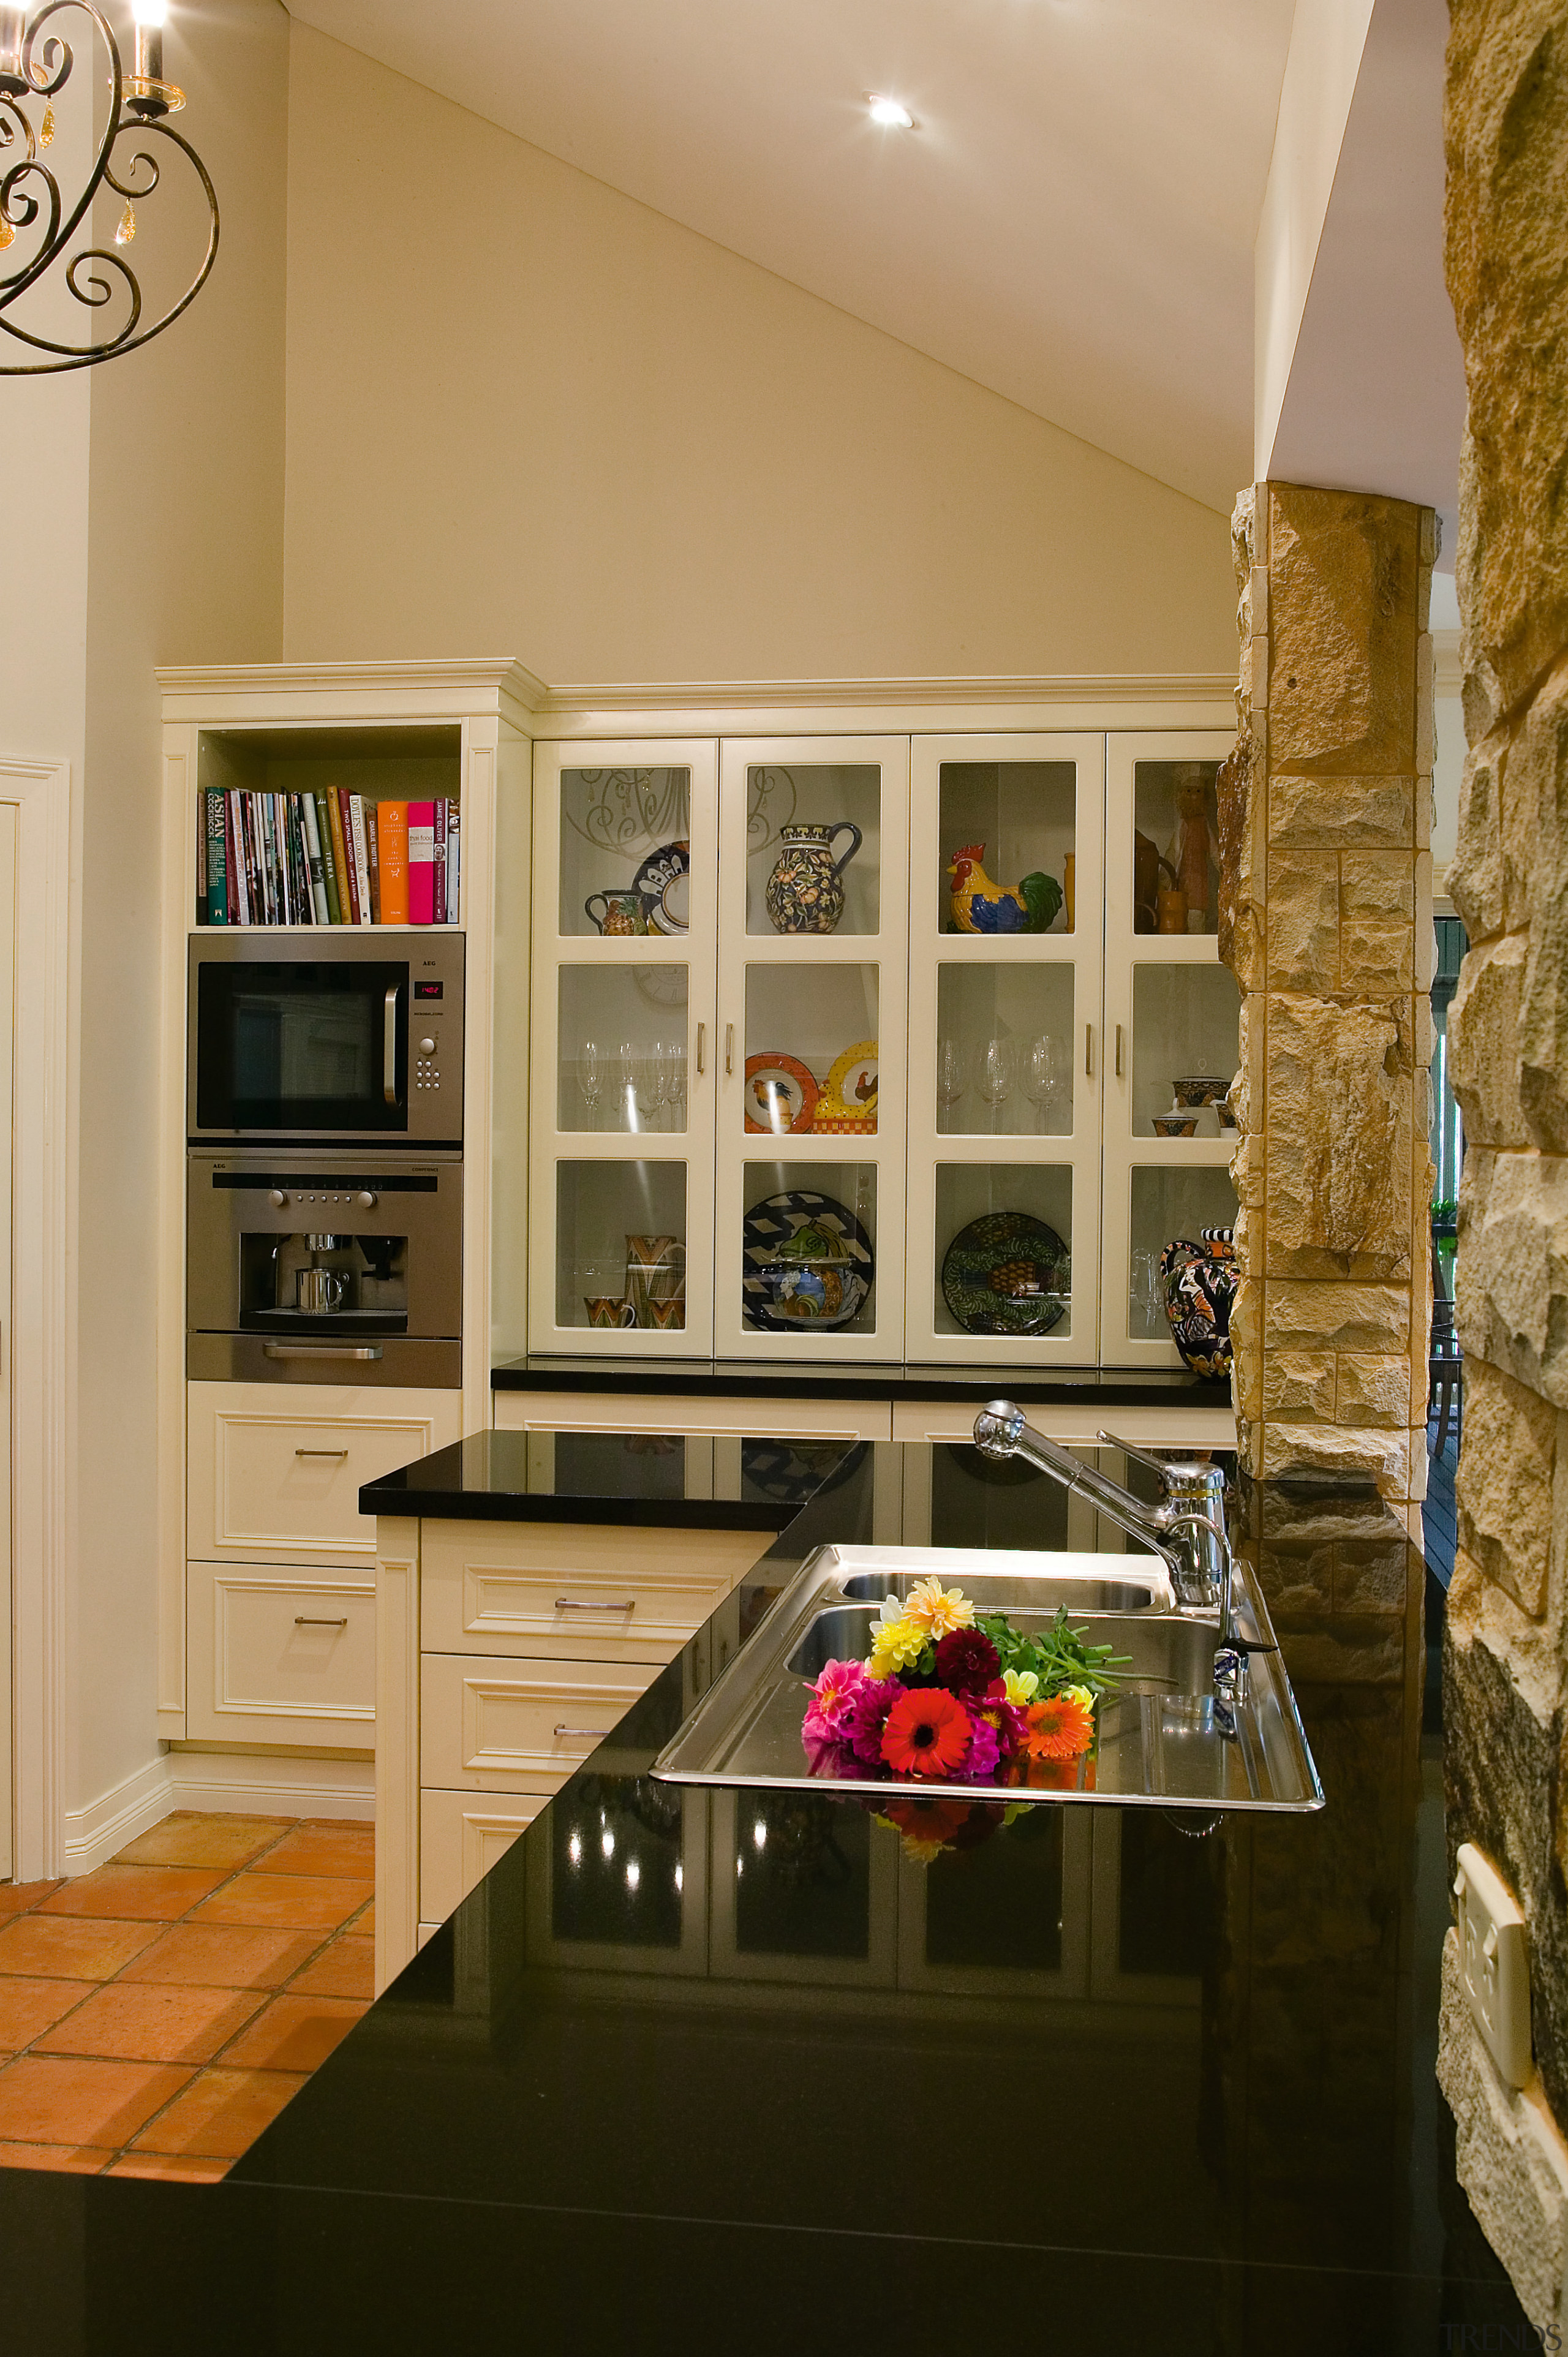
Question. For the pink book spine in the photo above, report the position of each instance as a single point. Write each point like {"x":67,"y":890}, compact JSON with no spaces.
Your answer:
{"x":420,"y":863}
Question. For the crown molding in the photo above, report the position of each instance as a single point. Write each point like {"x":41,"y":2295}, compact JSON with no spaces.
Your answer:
{"x":452,"y":684}
{"x":836,"y":694}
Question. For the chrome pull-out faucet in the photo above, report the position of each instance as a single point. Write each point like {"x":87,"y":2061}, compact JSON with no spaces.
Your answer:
{"x":1187,"y":1526}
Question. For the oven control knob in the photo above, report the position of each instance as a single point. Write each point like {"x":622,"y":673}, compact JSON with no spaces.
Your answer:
{"x":427,"y":1046}
{"x":275,"y":1195}
{"x":364,"y":1198}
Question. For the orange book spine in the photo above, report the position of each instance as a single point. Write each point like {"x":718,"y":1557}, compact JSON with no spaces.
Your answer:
{"x":391,"y":833}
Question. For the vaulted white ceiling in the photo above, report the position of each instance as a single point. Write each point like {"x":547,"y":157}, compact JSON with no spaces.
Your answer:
{"x":1070,"y":223}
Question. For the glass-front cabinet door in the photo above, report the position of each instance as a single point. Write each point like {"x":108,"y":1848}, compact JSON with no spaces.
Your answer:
{"x":1171,"y":1019}
{"x":1006,"y":842}
{"x":813,"y":837}
{"x":621,"y":1166}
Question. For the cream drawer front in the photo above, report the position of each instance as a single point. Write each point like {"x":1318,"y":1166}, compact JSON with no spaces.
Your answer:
{"x":744,"y":1419}
{"x":1176,"y":1426}
{"x":276,"y":1657}
{"x":277,"y":1468}
{"x":483,"y":1727}
{"x":575,"y":1592}
{"x":461,"y":1834}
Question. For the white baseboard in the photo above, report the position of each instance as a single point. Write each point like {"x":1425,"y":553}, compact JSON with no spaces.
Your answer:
{"x":232,"y":1783}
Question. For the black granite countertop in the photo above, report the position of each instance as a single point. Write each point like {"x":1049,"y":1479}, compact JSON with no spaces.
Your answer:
{"x":756,"y":2072}
{"x":767,"y":1379}
{"x":651,"y":1479}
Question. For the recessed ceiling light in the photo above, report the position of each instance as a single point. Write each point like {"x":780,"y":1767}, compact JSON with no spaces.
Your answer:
{"x":890,"y":111}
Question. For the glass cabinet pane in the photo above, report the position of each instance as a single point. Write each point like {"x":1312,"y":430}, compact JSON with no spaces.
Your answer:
{"x":813,"y":859}
{"x":1176,"y":847}
{"x":810,"y":1050}
{"x":1004,"y":1050}
{"x":1008,"y":833}
{"x":1004,"y":1247}
{"x":621,"y":1231}
{"x":624,"y":851}
{"x":809,"y":1248}
{"x":1166,"y":1204}
{"x":1185,"y":1022}
{"x":621,"y":1063}
{"x":802,"y":1878}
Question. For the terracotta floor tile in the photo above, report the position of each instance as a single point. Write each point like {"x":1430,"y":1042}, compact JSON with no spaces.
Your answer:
{"x":56,"y":2102}
{"x":84,"y":2160}
{"x":195,"y":2169}
{"x":61,"y":1947}
{"x":157,"y":1894}
{"x":324,"y":1849}
{"x":192,"y":1837}
{"x":134,"y":2022}
{"x":223,"y":1955}
{"x":15,"y":1896}
{"x":27,"y":2007}
{"x":294,"y":2033}
{"x":306,"y":1902}
{"x":346,"y":1968}
{"x":220,"y":2113}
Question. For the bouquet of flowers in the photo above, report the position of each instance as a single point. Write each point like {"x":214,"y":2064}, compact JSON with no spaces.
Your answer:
{"x":949,"y":1695}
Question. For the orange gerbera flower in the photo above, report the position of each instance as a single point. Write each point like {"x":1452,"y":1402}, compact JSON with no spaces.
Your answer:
{"x":1061,"y":1728}
{"x":926,"y":1734}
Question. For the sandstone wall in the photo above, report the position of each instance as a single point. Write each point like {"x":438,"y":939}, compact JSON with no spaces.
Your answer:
{"x":1507,"y":234}
{"x":1326,"y":920}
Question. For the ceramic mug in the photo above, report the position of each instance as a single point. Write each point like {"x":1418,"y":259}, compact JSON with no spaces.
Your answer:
{"x":608,"y":1310}
{"x":623,"y":912}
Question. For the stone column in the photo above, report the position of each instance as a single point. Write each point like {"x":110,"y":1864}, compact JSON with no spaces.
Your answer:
{"x":1505,"y":1735}
{"x":1325,"y":922}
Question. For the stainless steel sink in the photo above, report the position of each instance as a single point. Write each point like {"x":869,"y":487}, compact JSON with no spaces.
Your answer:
{"x":1164,"y":1739}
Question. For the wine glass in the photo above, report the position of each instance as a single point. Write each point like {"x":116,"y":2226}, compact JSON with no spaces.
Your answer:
{"x":998,"y":1069}
{"x":675,"y":1082}
{"x":591,"y":1078}
{"x":655,"y":1083}
{"x":1045,"y":1071}
{"x":951,"y":1078}
{"x":626,"y":1084}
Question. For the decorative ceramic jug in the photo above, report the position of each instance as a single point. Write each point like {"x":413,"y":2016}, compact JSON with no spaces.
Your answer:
{"x":619,"y":912}
{"x":805,"y":892}
{"x":1200,"y":1284}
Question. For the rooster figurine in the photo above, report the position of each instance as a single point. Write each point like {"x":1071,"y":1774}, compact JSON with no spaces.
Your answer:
{"x":979,"y":906}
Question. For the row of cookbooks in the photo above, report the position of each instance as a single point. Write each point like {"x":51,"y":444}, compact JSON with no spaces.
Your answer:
{"x":325,"y":858}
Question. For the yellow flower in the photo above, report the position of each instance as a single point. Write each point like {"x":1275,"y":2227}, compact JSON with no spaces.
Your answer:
{"x":1079,"y":1695}
{"x":939,"y":1609}
{"x":896,"y":1645}
{"x":1021,"y":1686}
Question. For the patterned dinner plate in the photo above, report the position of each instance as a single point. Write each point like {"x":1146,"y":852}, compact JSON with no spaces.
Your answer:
{"x":1007,"y":1273}
{"x":781,"y":1095}
{"x":807,"y":1263}
{"x":664,"y":881}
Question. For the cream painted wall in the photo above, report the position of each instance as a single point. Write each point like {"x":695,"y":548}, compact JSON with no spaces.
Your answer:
{"x":529,"y":415}
{"x":184,"y":564}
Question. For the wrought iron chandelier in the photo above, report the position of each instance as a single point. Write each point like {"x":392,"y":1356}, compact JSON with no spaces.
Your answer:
{"x":39,"y":221}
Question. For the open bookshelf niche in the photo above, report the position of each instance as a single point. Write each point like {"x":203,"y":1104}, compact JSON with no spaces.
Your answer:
{"x":328,"y":827}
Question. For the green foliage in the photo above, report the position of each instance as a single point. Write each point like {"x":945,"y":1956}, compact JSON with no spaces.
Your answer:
{"x":1058,"y":1658}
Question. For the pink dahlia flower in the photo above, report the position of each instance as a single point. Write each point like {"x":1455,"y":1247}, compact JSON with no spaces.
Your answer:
{"x":873,"y":1699}
{"x":827,"y":1719}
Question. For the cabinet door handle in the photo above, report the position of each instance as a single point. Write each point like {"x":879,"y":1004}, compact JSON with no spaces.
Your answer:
{"x":729,"y":1047}
{"x":1118,"y":1051}
{"x":579,"y":1604}
{"x":596,"y":1732}
{"x":702,"y":1036}
{"x":321,"y":1452}
{"x":1089,"y":1049}
{"x":307,"y":1621}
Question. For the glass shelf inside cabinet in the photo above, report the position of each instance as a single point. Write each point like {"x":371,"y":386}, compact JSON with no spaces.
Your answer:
{"x":1004,"y":1050}
{"x":1166,"y":1204}
{"x":814,"y":847}
{"x":1176,"y":847}
{"x":621,"y":1060}
{"x":1008,"y":833}
{"x":1185,"y":1023}
{"x":1004,"y":1249}
{"x":624,"y":851}
{"x":620,"y":1242}
{"x":809,"y":1248}
{"x":810,"y":1050}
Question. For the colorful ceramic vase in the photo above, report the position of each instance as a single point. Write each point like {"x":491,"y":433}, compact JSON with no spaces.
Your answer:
{"x":805,"y":892}
{"x":1200,"y":1284}
{"x":617,"y":912}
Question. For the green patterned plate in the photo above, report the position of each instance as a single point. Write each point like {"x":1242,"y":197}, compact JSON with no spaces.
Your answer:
{"x":1007,"y":1273}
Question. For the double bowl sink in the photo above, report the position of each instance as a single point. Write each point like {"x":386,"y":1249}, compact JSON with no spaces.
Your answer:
{"x":1165,"y":1738}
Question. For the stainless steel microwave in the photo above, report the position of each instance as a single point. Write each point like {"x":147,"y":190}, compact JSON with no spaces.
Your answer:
{"x":347,"y":1040}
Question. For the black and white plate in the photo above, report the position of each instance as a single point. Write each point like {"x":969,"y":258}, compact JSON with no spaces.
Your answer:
{"x":808,"y":1265}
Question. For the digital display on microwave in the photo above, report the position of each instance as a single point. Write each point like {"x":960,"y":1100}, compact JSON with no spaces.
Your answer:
{"x":428,"y":989}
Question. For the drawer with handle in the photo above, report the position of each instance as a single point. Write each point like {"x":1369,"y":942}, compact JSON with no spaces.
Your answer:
{"x":272,"y":1470}
{"x":575,"y":1592}
{"x":495,"y":1726}
{"x":276,"y":1657}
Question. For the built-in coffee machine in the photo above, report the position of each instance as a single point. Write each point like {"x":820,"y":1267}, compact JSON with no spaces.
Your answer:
{"x":318,"y":1268}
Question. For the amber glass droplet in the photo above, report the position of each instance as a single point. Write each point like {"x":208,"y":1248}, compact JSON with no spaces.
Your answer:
{"x":127,"y":229}
{"x":6,"y":233}
{"x":47,"y":128}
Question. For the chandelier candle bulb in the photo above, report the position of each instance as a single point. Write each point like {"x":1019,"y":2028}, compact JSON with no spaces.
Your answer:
{"x":12,"y":27}
{"x":151,"y":16}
